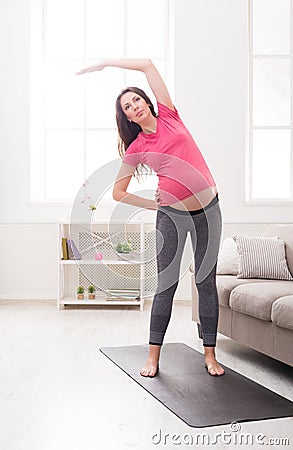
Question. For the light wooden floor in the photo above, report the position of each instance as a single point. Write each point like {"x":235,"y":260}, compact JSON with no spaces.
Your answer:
{"x":58,"y":392}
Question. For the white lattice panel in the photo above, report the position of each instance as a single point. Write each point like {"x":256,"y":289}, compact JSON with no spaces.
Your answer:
{"x":105,"y":277}
{"x":99,"y":238}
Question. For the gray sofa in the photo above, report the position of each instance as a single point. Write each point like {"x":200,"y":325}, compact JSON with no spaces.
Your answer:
{"x":257,"y":313}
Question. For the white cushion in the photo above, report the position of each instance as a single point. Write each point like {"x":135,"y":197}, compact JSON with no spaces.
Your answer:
{"x":228,"y":258}
{"x":262,"y":257}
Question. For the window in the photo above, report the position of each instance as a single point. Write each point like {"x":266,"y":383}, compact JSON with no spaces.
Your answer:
{"x":73,"y":128}
{"x":270,"y":101}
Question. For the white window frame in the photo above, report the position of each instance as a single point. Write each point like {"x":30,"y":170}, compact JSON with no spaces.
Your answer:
{"x":37,"y":103}
{"x":249,"y":199}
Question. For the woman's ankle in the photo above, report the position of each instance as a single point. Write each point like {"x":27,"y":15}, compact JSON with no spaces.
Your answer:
{"x":154,"y":352}
{"x":209,"y":351}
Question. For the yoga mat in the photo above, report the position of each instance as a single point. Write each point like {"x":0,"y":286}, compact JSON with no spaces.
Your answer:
{"x":184,"y":386}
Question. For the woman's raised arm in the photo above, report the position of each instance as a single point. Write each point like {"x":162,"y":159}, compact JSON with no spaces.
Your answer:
{"x":154,"y":78}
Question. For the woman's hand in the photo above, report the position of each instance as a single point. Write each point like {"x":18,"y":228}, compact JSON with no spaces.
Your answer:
{"x":157,"y":197}
{"x":95,"y":68}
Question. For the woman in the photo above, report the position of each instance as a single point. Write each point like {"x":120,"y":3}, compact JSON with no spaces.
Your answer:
{"x":186,"y":201}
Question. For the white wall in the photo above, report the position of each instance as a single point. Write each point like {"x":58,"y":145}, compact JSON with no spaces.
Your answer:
{"x":210,"y":93}
{"x":28,"y":263}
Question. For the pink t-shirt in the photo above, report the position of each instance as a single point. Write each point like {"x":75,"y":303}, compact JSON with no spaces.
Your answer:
{"x":173,"y":154}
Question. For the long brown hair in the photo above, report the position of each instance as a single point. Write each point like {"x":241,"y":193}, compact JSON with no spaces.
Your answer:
{"x":128,"y":131}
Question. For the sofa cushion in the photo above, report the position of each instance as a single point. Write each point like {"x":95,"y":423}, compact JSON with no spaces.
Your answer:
{"x":262,"y":257}
{"x":226,"y":283}
{"x":228,"y":258}
{"x":256,"y":299}
{"x":282,"y":312}
{"x":285,"y":232}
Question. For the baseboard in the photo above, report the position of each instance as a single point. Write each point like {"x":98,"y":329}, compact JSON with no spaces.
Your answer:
{"x":180,"y":302}
{"x":30,"y":298}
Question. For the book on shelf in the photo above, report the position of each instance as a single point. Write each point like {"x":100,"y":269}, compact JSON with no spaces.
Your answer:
{"x":64,"y":249}
{"x":122,"y":299}
{"x":123,"y":294}
{"x":130,"y":292}
{"x":69,"y":249}
{"x":74,"y":253}
{"x":70,"y":252}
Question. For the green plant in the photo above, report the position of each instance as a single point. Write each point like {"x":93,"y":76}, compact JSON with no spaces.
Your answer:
{"x":91,"y":289}
{"x":80,"y":290}
{"x":124,"y":247}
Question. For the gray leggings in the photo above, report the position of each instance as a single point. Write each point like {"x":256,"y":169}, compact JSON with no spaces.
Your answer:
{"x":205,"y":227}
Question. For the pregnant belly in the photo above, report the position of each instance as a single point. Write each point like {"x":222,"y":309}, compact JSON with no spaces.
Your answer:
{"x":198,"y":201}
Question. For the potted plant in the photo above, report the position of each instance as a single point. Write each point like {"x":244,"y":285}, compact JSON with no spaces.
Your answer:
{"x":91,"y":291}
{"x":80,"y":292}
{"x":124,"y":247}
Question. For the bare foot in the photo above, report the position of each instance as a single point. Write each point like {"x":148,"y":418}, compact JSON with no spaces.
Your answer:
{"x":150,"y":369}
{"x":211,"y":364}
{"x":152,"y":363}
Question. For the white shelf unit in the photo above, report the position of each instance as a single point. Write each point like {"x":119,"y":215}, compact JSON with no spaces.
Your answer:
{"x":135,"y":270}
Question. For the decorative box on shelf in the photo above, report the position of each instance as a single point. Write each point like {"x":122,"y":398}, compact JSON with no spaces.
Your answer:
{"x":88,"y":256}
